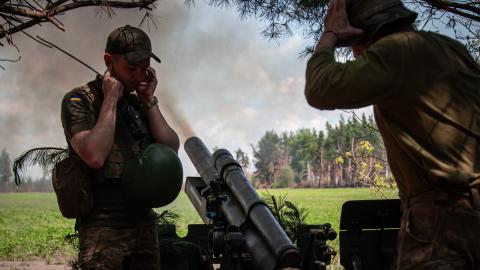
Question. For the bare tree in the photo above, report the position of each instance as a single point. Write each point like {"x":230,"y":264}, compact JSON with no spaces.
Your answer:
{"x":458,"y":18}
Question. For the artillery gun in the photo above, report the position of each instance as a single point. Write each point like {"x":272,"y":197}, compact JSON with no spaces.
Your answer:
{"x":242,"y":231}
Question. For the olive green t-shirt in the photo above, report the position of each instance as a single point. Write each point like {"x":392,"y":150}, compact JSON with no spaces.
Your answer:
{"x":425,"y":89}
{"x":110,"y":205}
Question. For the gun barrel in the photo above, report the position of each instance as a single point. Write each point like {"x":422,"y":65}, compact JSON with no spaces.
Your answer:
{"x":201,"y":159}
{"x":270,"y":246}
{"x":257,"y":212}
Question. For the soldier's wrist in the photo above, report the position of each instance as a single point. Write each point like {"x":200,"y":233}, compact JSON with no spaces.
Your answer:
{"x":328,"y":40}
{"x":149,"y":103}
{"x":333,"y":34}
{"x":112,"y":97}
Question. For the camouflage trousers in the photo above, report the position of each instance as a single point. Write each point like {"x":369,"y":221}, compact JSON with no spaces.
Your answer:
{"x":119,"y":248}
{"x":439,"y":235}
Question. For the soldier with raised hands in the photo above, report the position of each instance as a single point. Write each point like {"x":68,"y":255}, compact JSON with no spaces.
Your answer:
{"x":108,"y":122}
{"x":425,"y":91}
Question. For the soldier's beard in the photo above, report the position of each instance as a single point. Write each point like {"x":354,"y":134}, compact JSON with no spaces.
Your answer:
{"x":131,"y":89}
{"x":128,"y":87}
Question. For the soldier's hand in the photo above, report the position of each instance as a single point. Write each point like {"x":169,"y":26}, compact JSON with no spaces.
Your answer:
{"x":147,"y":88}
{"x":111,"y":86}
{"x":336,"y":21}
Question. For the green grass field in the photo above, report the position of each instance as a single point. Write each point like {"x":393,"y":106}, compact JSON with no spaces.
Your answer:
{"x":31,"y":225}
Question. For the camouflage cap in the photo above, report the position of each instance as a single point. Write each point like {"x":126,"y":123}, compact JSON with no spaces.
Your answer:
{"x":372,"y":15}
{"x":131,"y":42}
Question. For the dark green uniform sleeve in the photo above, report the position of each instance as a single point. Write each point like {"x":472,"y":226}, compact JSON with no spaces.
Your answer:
{"x":367,"y":80}
{"x":77,"y":114}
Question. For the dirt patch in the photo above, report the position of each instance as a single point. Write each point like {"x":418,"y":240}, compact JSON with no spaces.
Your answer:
{"x":34,"y":265}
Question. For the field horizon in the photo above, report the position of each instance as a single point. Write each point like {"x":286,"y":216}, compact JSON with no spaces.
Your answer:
{"x":32,"y":227}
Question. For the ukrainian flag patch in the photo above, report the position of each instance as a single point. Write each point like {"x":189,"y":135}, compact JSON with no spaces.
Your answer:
{"x":75,"y":98}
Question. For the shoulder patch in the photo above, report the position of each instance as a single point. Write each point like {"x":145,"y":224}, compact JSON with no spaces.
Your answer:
{"x":84,"y":91}
{"x":75,"y":97}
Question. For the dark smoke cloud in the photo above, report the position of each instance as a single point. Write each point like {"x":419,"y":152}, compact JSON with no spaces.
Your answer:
{"x":32,"y":89}
{"x":218,"y":79}
{"x":177,"y":119}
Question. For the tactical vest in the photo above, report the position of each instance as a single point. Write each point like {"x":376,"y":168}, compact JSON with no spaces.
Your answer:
{"x":125,"y":145}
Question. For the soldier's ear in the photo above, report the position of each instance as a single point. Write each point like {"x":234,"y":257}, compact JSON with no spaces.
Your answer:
{"x":107,"y":58}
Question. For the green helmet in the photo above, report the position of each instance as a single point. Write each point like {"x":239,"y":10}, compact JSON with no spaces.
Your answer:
{"x":154,"y":178}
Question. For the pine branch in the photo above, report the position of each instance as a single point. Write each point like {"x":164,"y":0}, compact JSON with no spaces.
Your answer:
{"x":20,"y":27}
{"x":77,"y":4}
{"x":9,"y":18}
{"x":288,"y":214}
{"x":453,"y":8}
{"x":470,"y":7}
{"x":37,"y":40}
{"x":59,"y":7}
{"x":67,"y":53}
{"x":167,"y":217}
{"x":55,"y":4}
{"x":46,"y":157}
{"x":13,"y":60}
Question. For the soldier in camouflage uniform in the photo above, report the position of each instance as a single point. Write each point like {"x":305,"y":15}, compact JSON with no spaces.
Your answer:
{"x":100,"y":122}
{"x":425,"y":89}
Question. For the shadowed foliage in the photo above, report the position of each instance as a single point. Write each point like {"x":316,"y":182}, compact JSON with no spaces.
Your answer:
{"x":288,"y":214}
{"x":457,"y":18}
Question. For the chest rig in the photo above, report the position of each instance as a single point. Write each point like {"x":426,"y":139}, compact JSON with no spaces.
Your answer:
{"x":131,"y":131}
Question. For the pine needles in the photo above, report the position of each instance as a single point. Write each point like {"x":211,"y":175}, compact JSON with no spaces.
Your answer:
{"x":290,"y":216}
{"x":45,"y":157}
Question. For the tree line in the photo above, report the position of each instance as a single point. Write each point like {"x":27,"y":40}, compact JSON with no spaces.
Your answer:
{"x":349,"y":154}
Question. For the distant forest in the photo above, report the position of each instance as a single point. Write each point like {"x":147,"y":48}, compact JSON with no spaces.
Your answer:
{"x":349,"y":154}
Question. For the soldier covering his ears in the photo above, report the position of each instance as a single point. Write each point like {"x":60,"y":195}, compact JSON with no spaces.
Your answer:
{"x":107,"y":122}
{"x":425,"y":90}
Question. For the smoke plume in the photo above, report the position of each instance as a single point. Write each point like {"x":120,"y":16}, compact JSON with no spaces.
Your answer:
{"x":218,"y":79}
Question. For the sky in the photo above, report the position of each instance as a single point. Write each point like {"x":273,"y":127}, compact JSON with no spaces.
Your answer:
{"x":219,"y":79}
